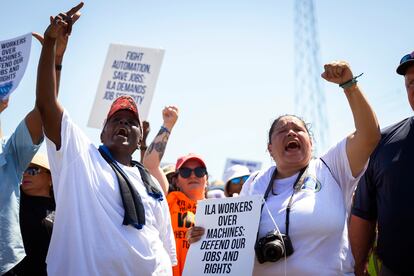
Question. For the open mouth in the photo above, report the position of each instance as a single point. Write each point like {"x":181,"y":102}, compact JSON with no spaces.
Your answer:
{"x":292,"y":145}
{"x":122,"y":132}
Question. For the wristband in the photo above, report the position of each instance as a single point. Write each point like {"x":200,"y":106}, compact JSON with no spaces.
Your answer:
{"x":351,"y":82}
{"x":58,"y":67}
{"x":165,"y":129}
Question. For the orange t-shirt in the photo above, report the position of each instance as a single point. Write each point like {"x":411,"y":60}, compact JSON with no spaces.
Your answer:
{"x":182,"y":210}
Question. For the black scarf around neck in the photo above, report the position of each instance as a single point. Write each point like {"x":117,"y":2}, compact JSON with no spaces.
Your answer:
{"x":133,"y":206}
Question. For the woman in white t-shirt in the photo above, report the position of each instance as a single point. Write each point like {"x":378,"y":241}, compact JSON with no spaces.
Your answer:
{"x":310,"y":237}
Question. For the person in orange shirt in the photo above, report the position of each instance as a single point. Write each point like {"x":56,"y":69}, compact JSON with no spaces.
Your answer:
{"x":190,"y":178}
{"x":191,"y":181}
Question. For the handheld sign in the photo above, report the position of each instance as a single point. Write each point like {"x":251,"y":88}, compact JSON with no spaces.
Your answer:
{"x":128,"y":70}
{"x":252,"y":165}
{"x":14,"y":57}
{"x":227,"y":247}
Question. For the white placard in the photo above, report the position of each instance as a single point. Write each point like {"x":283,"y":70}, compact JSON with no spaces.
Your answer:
{"x":227,"y":247}
{"x":14,"y":56}
{"x":128,"y":70}
{"x":252,"y":165}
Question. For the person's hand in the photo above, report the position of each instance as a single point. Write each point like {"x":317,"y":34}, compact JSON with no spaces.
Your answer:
{"x":194,"y":234}
{"x":362,"y":270}
{"x":170,"y":116}
{"x":337,"y":72}
{"x":61,"y":40}
{"x":4,"y":104}
{"x":61,"y":26}
{"x":145,"y":130}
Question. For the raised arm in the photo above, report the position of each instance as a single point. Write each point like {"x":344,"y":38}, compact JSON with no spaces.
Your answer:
{"x":46,"y":91}
{"x":362,"y":142}
{"x":33,"y":118}
{"x":143,"y":146}
{"x":155,"y":151}
{"x":61,"y":44}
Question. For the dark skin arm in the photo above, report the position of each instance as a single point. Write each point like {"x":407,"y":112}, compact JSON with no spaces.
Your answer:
{"x":34,"y":125}
{"x":33,"y":118}
{"x":194,"y":234}
{"x":49,"y":107}
{"x":361,"y":237}
{"x":61,"y":44}
{"x":143,"y":146}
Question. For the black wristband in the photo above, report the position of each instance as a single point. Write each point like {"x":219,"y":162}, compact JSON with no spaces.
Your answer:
{"x":351,"y":82}
{"x":58,"y":67}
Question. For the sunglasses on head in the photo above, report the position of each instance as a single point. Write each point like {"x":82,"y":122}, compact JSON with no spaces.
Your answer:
{"x":238,"y":180}
{"x":33,"y":171}
{"x":186,"y":172}
{"x":406,"y":58}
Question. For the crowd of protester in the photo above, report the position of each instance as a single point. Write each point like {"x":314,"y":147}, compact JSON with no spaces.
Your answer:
{"x":87,"y":210}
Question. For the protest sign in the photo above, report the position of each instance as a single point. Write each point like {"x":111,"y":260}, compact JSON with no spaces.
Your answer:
{"x":227,"y":247}
{"x":14,"y":57}
{"x":252,"y":165}
{"x":128,"y":70}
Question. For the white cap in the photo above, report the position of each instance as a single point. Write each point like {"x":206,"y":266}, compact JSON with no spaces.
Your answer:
{"x":235,"y":171}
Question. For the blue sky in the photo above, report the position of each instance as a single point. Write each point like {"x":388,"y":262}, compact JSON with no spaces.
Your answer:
{"x":228,"y":65}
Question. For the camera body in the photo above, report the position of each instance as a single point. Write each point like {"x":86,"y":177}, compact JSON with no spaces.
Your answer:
{"x":270,"y":248}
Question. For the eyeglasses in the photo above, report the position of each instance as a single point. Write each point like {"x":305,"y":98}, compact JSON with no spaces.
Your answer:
{"x":406,"y":58}
{"x":33,"y":171}
{"x":186,"y":172}
{"x":238,"y":180}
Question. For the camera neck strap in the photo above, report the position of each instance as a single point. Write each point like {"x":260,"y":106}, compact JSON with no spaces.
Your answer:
{"x":297,"y":186}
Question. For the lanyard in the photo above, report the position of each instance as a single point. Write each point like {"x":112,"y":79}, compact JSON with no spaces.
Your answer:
{"x":297,"y":186}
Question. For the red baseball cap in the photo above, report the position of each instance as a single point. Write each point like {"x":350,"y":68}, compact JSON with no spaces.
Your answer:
{"x":123,"y":103}
{"x":185,"y":158}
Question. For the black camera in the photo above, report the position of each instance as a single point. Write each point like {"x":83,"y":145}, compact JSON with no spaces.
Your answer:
{"x":270,"y":248}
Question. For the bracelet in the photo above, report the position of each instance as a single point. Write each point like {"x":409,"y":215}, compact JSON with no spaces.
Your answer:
{"x":165,"y":129}
{"x":58,"y":67}
{"x":351,"y":82}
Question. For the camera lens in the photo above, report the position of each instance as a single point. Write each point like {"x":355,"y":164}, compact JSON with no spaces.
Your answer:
{"x":273,"y":251}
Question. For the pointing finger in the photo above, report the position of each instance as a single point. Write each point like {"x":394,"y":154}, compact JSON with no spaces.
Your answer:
{"x":75,"y":9}
{"x":75,"y":17}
